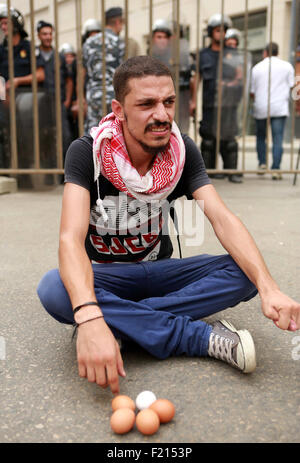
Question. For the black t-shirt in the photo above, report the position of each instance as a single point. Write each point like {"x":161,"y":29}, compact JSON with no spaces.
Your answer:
{"x":136,"y":230}
{"x":22,"y":66}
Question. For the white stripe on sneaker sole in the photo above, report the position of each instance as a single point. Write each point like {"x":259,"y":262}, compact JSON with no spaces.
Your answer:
{"x":247,"y":345}
{"x":248,"y":349}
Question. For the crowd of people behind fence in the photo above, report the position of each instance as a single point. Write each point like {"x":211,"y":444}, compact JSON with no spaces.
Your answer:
{"x":162,"y":47}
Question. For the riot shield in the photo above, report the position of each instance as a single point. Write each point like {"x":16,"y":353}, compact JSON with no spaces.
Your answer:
{"x":25,"y":132}
{"x":184,"y":85}
{"x":163,"y":51}
{"x":25,"y":129}
{"x":224,"y":114}
{"x":166,"y":52}
{"x":232,"y":93}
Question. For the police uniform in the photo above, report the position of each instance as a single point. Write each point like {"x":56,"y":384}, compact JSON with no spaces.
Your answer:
{"x":92,"y":61}
{"x":73,"y":121}
{"x":48,"y":118}
{"x":49,"y":65}
{"x":21,"y":54}
{"x":24,"y":118}
{"x":231,"y":96}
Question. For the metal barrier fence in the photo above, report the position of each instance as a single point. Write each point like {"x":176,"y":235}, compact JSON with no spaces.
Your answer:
{"x":36,"y":167}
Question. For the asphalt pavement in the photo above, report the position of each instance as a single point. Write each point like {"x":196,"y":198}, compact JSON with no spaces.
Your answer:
{"x":44,"y":400}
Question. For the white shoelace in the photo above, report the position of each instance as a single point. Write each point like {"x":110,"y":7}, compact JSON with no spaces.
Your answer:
{"x":221,"y":348}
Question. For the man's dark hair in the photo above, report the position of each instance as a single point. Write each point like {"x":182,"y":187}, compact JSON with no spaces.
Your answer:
{"x":273,"y":47}
{"x":136,"y":68}
{"x":112,"y":14}
{"x":42,"y":24}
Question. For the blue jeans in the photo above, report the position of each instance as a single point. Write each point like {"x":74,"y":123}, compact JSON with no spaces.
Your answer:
{"x":158,"y":305}
{"x":277,"y":127}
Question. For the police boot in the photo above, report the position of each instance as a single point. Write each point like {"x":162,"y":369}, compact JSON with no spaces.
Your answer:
{"x":235,"y":178}
{"x":208,"y":159}
{"x":230,"y":156}
{"x":208,"y":151}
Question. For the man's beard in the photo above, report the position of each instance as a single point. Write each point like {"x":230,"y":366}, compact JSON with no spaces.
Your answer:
{"x":152,"y":150}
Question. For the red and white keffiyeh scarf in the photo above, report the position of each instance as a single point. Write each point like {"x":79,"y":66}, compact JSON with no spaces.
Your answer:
{"x":111,"y":159}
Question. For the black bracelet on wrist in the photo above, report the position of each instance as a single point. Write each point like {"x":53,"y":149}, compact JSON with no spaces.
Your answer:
{"x":84,"y":305}
{"x":89,"y":320}
{"x":76,"y":325}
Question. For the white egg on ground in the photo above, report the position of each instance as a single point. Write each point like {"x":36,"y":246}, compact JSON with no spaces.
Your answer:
{"x":145,"y":399}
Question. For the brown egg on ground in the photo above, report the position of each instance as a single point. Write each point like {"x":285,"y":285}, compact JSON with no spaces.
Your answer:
{"x":122,"y":420}
{"x":122,"y":401}
{"x":164,"y":409}
{"x":147,"y":421}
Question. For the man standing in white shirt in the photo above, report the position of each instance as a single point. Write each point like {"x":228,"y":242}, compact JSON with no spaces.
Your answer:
{"x":282,"y":79}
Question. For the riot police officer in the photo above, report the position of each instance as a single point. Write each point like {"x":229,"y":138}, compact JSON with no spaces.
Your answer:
{"x":231,"y":95}
{"x":68,"y":51}
{"x":21,"y":52}
{"x":161,"y":44}
{"x":22,"y":83}
{"x":46,"y":53}
{"x":163,"y":50}
{"x":232,"y":38}
{"x":92,"y":61}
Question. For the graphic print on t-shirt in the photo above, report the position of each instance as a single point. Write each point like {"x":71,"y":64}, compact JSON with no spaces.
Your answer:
{"x":132,"y":232}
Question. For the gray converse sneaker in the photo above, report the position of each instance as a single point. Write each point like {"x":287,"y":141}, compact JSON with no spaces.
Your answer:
{"x":233,"y":346}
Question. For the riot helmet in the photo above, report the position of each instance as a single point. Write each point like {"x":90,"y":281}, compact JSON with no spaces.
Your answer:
{"x":91,"y":25}
{"x":216,"y":21}
{"x":16,"y":17}
{"x":3,"y":10}
{"x":67,"y":48}
{"x":162,"y":25}
{"x":233,"y":34}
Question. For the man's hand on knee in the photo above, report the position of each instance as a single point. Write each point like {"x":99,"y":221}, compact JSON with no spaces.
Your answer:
{"x":98,"y":355}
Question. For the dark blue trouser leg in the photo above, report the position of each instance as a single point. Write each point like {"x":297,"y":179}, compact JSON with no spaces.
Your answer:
{"x":158,"y":304}
{"x":261,"y":133}
{"x":277,"y":126}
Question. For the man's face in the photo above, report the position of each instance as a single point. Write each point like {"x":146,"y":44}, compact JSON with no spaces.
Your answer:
{"x":232,"y":43}
{"x":46,"y":35}
{"x":160,"y":39}
{"x":216,"y":34}
{"x":4,"y":26}
{"x":119,"y":24}
{"x":149,"y":110}
{"x":69,"y":57}
{"x":92,"y":33}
